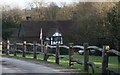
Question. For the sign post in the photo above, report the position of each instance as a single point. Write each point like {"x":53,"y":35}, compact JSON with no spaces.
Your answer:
{"x":41,"y":41}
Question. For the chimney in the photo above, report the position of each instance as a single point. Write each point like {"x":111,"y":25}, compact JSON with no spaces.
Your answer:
{"x":28,"y":18}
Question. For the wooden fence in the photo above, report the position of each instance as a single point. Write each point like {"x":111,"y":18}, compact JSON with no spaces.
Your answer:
{"x":7,"y":47}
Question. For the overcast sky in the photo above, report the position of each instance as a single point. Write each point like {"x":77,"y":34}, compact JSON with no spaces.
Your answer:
{"x":23,"y":3}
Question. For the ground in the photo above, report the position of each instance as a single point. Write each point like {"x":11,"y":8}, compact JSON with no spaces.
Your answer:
{"x":13,"y":65}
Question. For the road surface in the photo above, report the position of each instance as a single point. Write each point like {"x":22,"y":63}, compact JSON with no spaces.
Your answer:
{"x":11,"y":65}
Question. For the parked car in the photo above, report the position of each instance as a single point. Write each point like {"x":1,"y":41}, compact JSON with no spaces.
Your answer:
{"x":91,"y":52}
{"x":81,"y":52}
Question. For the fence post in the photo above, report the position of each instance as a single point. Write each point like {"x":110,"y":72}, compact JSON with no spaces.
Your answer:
{"x":24,"y":49}
{"x":57,"y":54}
{"x":15,"y":48}
{"x":8,"y":47}
{"x":86,"y":57}
{"x":0,"y":48}
{"x":45,"y":51}
{"x":71,"y":53}
{"x":104,"y":60}
{"x":34,"y":50}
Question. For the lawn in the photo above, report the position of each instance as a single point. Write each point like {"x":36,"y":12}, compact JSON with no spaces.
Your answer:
{"x":113,"y":62}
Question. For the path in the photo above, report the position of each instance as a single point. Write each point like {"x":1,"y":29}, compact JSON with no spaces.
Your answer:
{"x":11,"y":65}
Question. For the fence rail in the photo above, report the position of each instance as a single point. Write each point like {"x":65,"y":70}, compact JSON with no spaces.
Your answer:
{"x":7,"y":47}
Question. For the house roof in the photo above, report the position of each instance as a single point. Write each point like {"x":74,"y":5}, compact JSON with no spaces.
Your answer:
{"x":57,"y":34}
{"x":31,"y":29}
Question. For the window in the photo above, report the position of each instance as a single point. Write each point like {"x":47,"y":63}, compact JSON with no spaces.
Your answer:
{"x":56,"y":38}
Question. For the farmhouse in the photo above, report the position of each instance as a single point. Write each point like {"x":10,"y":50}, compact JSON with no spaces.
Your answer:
{"x":30,"y":30}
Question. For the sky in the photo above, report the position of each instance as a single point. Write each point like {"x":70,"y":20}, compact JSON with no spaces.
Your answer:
{"x":23,"y":3}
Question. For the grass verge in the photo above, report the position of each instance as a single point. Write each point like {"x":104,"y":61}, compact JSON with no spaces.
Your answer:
{"x":113,"y":61}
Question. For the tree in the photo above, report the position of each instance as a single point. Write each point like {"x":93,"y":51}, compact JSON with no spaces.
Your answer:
{"x":114,"y":21}
{"x":90,"y":23}
{"x":36,"y":9}
{"x":52,"y":11}
{"x":10,"y":21}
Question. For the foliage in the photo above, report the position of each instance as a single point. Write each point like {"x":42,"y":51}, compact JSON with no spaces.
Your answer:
{"x":114,"y":21}
{"x":10,"y":21}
